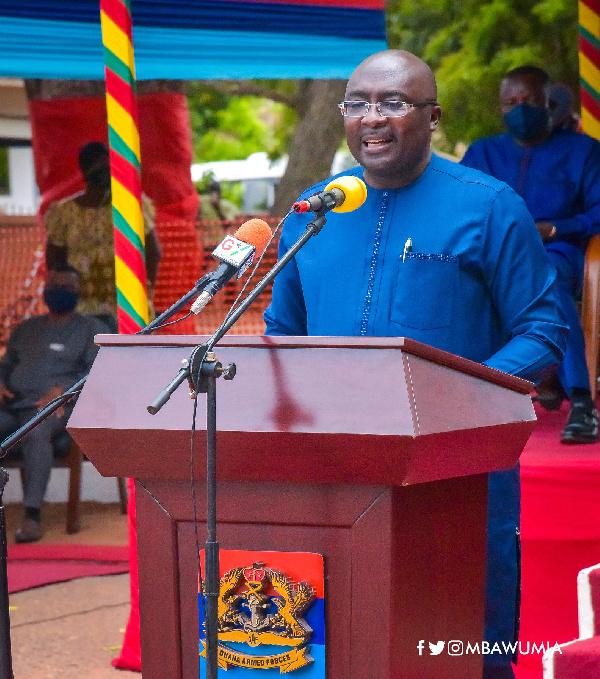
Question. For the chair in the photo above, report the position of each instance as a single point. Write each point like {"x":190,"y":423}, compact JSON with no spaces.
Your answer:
{"x":590,"y":310}
{"x":67,"y":455}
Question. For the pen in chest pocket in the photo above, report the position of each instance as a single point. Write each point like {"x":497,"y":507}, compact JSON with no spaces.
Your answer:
{"x":407,"y":248}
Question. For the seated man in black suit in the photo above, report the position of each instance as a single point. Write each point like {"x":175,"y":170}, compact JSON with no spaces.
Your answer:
{"x":45,"y":355}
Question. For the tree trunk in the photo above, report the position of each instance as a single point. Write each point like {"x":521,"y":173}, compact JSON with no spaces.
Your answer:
{"x":317,"y":137}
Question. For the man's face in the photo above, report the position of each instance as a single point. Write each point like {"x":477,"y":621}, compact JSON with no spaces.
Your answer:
{"x":97,"y":173}
{"x":521,"y":90}
{"x":394,"y":150}
{"x":523,"y":105}
{"x":67,"y":280}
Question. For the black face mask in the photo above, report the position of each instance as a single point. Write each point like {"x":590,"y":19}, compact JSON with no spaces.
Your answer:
{"x":60,"y":300}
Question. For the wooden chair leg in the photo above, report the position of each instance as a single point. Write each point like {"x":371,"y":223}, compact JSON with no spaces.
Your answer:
{"x":73,"y":504}
{"x":590,"y":312}
{"x":121,"y":483}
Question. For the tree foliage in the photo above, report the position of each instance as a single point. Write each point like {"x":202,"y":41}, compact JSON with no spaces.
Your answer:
{"x":228,"y":127}
{"x":231,"y":119}
{"x":471,"y":44}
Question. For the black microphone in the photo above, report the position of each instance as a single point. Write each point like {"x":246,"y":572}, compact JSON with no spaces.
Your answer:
{"x":343,"y":194}
{"x":236,"y":253}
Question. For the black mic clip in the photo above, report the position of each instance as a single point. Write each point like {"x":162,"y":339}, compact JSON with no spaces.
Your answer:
{"x":202,"y":366}
{"x":328,"y":201}
{"x":320,"y":203}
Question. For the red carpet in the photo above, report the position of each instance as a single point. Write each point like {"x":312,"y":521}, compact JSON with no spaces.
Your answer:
{"x":34,"y":565}
{"x":560,"y":533}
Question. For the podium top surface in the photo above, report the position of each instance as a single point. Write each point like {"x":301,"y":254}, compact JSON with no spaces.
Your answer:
{"x":304,"y":409}
{"x":404,"y":344}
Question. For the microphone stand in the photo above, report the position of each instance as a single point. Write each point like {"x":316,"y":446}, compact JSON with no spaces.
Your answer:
{"x":201,"y":371}
{"x":199,"y":286}
{"x":6,"y":671}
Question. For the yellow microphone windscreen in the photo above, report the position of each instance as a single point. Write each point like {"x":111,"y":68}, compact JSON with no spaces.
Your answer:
{"x":353,"y":188}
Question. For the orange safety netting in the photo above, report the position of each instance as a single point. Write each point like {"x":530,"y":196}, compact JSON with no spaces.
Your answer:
{"x":251,"y":323}
{"x":21,"y":279}
{"x":21,"y":256}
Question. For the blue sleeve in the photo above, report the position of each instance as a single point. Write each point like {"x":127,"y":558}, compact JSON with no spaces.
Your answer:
{"x":587,"y":223}
{"x":286,"y":315}
{"x":522,"y":283}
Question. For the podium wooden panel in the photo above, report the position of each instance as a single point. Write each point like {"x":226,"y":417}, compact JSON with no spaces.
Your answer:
{"x":371,"y":451}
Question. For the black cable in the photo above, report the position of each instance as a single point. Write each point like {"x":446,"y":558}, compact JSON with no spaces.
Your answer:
{"x":164,"y":325}
{"x":195,"y":504}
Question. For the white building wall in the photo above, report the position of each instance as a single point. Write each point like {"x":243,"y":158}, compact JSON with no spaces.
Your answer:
{"x":23,"y":197}
{"x":93,"y":487}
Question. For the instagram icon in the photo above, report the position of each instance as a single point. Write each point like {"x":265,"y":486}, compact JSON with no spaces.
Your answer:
{"x":455,"y":647}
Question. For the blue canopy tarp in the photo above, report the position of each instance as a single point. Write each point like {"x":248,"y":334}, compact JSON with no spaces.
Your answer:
{"x":194,"y":39}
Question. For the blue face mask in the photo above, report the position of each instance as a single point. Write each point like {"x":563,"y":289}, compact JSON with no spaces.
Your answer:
{"x":526,"y":123}
{"x":60,"y":300}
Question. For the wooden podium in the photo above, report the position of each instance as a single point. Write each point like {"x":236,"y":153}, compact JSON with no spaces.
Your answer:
{"x":373,"y":452}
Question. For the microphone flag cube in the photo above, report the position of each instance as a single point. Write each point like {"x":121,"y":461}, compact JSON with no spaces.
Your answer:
{"x":235,"y":252}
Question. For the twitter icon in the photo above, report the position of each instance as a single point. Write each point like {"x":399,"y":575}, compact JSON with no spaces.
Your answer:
{"x":436,"y":649}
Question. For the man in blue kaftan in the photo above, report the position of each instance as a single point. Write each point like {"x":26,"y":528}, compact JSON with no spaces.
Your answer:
{"x":557,"y":173}
{"x":440,"y":253}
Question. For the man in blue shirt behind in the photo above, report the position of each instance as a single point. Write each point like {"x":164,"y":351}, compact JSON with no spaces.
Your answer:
{"x":557,"y":173}
{"x":440,"y":253}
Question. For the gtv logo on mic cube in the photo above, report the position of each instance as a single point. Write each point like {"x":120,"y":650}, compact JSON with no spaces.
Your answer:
{"x":233,"y":251}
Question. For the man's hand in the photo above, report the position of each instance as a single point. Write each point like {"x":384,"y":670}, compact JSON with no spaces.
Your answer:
{"x":5,"y":394}
{"x":547,"y":230}
{"x":50,"y":395}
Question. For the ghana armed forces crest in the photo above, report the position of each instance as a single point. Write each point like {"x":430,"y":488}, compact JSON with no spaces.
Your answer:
{"x":271,"y":614}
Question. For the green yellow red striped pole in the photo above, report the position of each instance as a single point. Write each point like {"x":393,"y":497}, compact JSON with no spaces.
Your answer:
{"x":589,"y":65}
{"x":124,"y":141}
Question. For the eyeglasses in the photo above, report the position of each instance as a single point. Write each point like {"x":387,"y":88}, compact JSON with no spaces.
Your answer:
{"x":386,"y":109}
